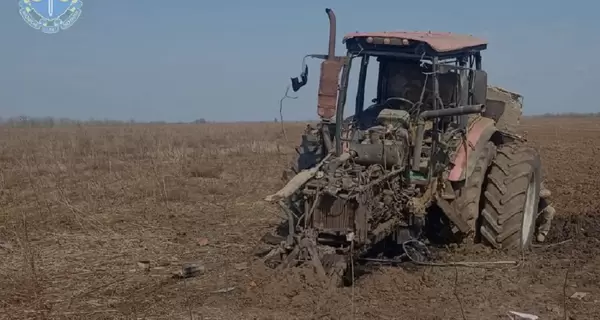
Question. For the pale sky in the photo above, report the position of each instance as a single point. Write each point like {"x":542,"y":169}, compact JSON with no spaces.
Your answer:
{"x":181,"y":60}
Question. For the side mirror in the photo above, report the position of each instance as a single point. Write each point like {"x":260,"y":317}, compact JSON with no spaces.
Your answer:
{"x":299,"y":83}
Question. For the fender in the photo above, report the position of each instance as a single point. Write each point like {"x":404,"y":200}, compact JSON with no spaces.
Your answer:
{"x":478,"y":134}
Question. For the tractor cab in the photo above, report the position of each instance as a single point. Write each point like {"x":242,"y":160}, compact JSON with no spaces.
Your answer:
{"x":417,"y":71}
{"x":434,"y":72}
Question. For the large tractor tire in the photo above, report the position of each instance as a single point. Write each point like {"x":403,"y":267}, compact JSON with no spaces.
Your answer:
{"x":511,"y":197}
{"x":469,"y":197}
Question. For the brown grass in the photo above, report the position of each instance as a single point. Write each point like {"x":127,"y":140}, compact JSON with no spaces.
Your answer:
{"x":80,"y":207}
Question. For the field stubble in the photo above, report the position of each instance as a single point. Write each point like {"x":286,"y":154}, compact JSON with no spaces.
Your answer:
{"x":94,"y":221}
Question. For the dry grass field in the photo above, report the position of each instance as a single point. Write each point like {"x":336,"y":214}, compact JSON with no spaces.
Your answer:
{"x":94,"y":221}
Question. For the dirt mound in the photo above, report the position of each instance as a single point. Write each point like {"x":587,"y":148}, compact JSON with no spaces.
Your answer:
{"x":575,"y":226}
{"x":536,"y":285}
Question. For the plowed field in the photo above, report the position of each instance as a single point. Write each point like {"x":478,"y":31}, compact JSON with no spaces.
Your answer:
{"x":94,"y":221}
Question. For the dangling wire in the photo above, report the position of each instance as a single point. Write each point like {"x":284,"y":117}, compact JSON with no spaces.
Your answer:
{"x":285,"y":96}
{"x":287,"y":90}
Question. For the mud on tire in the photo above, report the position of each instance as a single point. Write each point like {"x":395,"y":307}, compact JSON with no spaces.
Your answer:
{"x":511,"y":196}
{"x":468,"y":201}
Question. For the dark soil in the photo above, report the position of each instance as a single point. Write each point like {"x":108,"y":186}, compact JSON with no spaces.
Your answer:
{"x":94,"y":221}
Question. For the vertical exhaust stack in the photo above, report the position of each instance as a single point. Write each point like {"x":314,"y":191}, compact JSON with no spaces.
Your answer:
{"x":330,"y":75}
{"x":332,"y":33}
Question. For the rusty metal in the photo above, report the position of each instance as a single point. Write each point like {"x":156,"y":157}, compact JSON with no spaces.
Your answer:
{"x":479,"y":130}
{"x":334,"y":214}
{"x":330,"y":75}
{"x":328,"y":88}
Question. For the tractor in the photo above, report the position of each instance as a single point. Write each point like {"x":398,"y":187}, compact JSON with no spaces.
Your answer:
{"x":434,"y":159}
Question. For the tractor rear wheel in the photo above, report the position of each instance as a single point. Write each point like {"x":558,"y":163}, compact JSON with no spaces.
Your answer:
{"x":511,"y":196}
{"x":469,"y":197}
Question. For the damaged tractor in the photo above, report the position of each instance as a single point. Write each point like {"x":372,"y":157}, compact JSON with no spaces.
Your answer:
{"x":435,"y":158}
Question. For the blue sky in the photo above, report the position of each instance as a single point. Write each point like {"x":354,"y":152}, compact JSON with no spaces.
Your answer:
{"x":231,"y":60}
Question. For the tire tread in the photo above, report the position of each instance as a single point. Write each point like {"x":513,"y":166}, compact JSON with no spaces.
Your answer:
{"x":506,"y":193}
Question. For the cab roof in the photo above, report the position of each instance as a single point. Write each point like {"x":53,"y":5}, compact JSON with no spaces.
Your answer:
{"x":437,"y":42}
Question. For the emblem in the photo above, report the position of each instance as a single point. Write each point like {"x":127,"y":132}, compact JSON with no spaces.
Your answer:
{"x":50,"y":16}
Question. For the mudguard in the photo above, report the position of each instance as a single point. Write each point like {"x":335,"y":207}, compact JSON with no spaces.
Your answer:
{"x":479,"y":132}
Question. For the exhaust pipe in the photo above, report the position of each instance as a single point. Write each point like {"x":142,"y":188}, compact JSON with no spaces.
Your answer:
{"x":330,"y":74}
{"x":332,"y":32}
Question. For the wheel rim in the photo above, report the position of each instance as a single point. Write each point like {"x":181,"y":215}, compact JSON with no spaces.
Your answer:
{"x":528,"y":213}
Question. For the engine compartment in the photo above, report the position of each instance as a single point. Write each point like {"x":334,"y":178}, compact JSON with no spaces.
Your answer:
{"x":386,"y":143}
{"x":367,"y":194}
